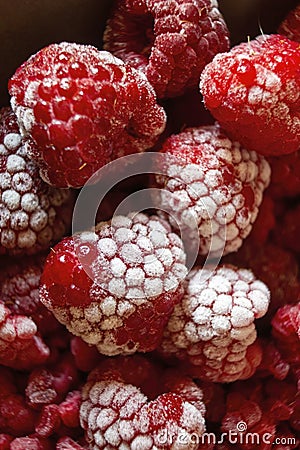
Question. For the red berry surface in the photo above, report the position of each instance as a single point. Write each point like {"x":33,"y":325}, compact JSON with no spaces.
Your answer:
{"x":171,"y":42}
{"x":253,"y":91}
{"x":213,"y":182}
{"x":212,"y":329}
{"x":82,"y":107}
{"x":290,"y":27}
{"x":116,"y":287}
{"x":33,"y":215}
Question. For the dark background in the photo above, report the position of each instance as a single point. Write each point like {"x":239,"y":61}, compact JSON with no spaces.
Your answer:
{"x":28,"y":25}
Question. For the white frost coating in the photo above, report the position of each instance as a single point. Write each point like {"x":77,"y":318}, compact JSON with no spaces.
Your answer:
{"x":127,"y":279}
{"x":213,"y":315}
{"x":12,"y":141}
{"x":211,"y":192}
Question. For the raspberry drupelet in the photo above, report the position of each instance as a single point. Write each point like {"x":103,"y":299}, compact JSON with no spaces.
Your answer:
{"x":214,"y":183}
{"x":253,"y":91}
{"x":82,"y":108}
{"x":290,"y":27}
{"x":117,"y":414}
{"x":212,"y":331}
{"x":116,"y":287}
{"x":170,"y":41}
{"x":33,"y":215}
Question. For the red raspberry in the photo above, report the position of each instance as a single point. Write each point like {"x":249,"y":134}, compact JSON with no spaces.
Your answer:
{"x":285,"y":175}
{"x":48,"y":422}
{"x":33,"y":215}
{"x":16,"y":418}
{"x":171,"y":42}
{"x":253,"y":91}
{"x":32,"y":442}
{"x":290,"y":27}
{"x":19,"y":290}
{"x":69,"y":409}
{"x":118,"y":415}
{"x":83,"y":108}
{"x":116,"y":287}
{"x":272,"y":361}
{"x":286,"y":330}
{"x":50,"y":385}
{"x":213,"y":181}
{"x":212,"y":329}
{"x":20,"y":346}
{"x":276,"y":267}
{"x":240,"y":410}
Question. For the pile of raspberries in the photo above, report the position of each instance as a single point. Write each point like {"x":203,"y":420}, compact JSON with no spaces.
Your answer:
{"x":109,"y":338}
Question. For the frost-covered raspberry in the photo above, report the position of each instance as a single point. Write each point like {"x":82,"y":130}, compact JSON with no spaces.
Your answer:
{"x":212,"y":329}
{"x":33,"y":216}
{"x":213,"y":182}
{"x":253,"y":91}
{"x":119,"y":415}
{"x":286,"y":330}
{"x":19,"y":290}
{"x":171,"y":42}
{"x":116,"y":287}
{"x":82,"y":107}
{"x":290,"y":27}
{"x":20,"y":346}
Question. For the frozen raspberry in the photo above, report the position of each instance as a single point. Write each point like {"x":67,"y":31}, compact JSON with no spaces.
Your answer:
{"x":272,"y":361}
{"x":82,"y":107}
{"x":33,"y":216}
{"x":214,"y":400}
{"x":48,"y":422}
{"x":16,"y":417}
{"x":286,"y":330}
{"x":212,"y":329}
{"x":290,"y":27}
{"x":276,"y":267}
{"x":20,"y":346}
{"x":244,"y":415}
{"x":69,"y":409}
{"x":214,"y":182}
{"x":171,"y":42}
{"x":19,"y":290}
{"x":50,"y":385}
{"x":118,"y":415}
{"x":31,"y":443}
{"x":286,"y":232}
{"x":285,"y":175}
{"x":253,"y":91}
{"x":116,"y":287}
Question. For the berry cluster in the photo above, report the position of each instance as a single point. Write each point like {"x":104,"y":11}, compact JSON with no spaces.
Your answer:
{"x":180,"y":316}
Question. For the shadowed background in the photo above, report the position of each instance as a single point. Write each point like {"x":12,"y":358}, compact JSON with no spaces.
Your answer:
{"x":28,"y":25}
